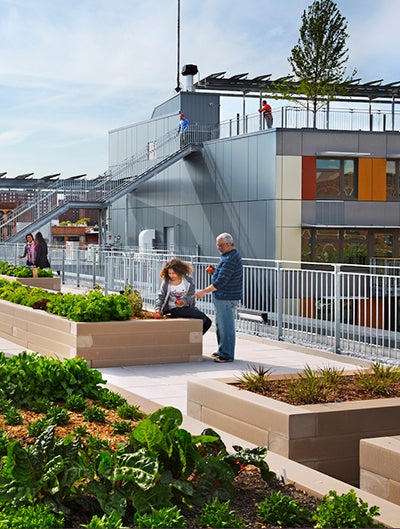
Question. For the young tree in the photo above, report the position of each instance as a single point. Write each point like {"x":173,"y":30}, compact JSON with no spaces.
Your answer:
{"x":318,"y":60}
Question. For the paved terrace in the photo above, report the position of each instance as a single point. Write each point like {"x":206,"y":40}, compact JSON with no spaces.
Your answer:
{"x":166,"y":384}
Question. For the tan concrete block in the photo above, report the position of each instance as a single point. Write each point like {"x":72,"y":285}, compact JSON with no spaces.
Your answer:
{"x":373,"y":483}
{"x":381,"y":456}
{"x":253,"y":434}
{"x":343,"y":469}
{"x":304,"y":425}
{"x":324,"y":448}
{"x":278,"y":444}
{"x":394,"y":492}
{"x":365,"y":420}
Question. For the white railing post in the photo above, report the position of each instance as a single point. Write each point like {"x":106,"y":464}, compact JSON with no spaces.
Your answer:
{"x":279,"y":301}
{"x":337,"y":301}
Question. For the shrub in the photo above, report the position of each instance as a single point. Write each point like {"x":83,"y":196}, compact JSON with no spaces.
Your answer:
{"x":282,"y":510}
{"x":13,"y":417}
{"x":256,"y":379}
{"x":130,"y":412}
{"x":95,"y":414}
{"x":110,"y":400}
{"x":218,"y":514}
{"x":122,"y":427}
{"x":34,"y":515}
{"x":76,"y":403}
{"x":111,"y":521}
{"x":164,"y":517}
{"x":135,"y":300}
{"x":380,"y":380}
{"x":58,"y":415}
{"x":37,"y":427}
{"x":345,"y":510}
{"x":307,"y":388}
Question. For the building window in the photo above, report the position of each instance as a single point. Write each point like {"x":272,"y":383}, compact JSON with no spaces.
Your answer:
{"x":352,"y":245}
{"x":392,"y":179}
{"x":337,"y":178}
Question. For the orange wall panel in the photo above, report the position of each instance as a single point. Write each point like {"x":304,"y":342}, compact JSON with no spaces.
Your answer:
{"x":308,"y":178}
{"x":365,"y":179}
{"x":379,"y":179}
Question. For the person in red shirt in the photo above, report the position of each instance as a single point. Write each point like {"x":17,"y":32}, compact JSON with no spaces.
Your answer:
{"x":266,"y":111}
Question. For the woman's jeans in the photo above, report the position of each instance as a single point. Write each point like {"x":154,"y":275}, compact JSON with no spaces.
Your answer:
{"x":225,"y":311}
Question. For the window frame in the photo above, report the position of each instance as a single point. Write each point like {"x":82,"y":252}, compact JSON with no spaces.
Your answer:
{"x":342,"y":193}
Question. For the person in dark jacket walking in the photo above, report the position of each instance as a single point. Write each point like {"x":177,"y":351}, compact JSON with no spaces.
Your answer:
{"x":40,"y":255}
{"x":227,"y":290}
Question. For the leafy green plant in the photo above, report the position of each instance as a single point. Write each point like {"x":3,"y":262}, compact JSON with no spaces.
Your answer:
{"x":94,"y":414}
{"x":308,"y":387}
{"x":130,"y":412}
{"x":332,"y":376}
{"x":164,"y":517}
{"x":13,"y":417}
{"x":37,"y":427}
{"x":81,"y":430}
{"x":380,"y":380}
{"x":282,"y":510}
{"x":256,"y":379}
{"x":41,"y":404}
{"x":76,"y":403}
{"x":58,"y":415}
{"x":34,"y":515}
{"x":7,"y":269}
{"x":4,"y":440}
{"x":345,"y":510}
{"x":218,"y":514}
{"x":110,"y":400}
{"x":122,"y":427}
{"x":135,"y":300}
{"x":112,"y":521}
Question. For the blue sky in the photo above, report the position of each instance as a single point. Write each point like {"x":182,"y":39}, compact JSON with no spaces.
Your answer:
{"x":71,"y":70}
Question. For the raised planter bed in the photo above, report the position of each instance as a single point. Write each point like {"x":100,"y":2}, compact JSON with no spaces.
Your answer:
{"x":48,"y":283}
{"x":379,"y":467}
{"x":103,"y":344}
{"x":324,"y":437}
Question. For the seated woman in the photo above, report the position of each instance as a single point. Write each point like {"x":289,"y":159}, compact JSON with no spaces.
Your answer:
{"x":175,"y":296}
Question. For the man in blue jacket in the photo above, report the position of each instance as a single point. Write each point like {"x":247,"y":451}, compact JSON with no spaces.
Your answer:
{"x":183,"y":127}
{"x":227,"y":290}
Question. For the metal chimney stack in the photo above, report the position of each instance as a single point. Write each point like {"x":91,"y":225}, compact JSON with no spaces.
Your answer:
{"x":189,"y":71}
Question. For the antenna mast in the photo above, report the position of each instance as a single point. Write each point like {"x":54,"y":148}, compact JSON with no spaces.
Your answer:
{"x":178,"y":49}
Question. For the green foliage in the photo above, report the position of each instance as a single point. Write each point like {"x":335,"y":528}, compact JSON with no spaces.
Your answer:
{"x":94,"y":414}
{"x":130,"y":412}
{"x":308,"y":387}
{"x":281,"y":510}
{"x":345,"y":510}
{"x":34,"y":515}
{"x":332,"y":377}
{"x":58,"y":415}
{"x":319,"y":58}
{"x":13,"y":417}
{"x":76,"y":403}
{"x":4,"y":440}
{"x":164,"y":517}
{"x":380,"y":380}
{"x":256,"y":379}
{"x":93,"y":306}
{"x":110,"y":400}
{"x":7,"y":269}
{"x":81,"y":430}
{"x":112,"y":521}
{"x":41,"y":404}
{"x":122,"y":427}
{"x":218,"y":514}
{"x":37,"y":427}
{"x":135,"y":300}
{"x":28,"y":377}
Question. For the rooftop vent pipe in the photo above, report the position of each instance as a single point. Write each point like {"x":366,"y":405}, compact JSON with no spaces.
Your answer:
{"x":188,"y":71}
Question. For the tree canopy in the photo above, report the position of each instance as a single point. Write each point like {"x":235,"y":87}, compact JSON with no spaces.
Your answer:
{"x":319,"y":58}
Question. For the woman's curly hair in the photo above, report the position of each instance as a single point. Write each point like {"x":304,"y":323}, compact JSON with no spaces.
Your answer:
{"x":182,"y":268}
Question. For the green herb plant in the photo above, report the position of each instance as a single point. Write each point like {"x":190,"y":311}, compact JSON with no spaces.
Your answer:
{"x":129,"y":412}
{"x":219,"y":514}
{"x":281,"y":510}
{"x":111,"y":521}
{"x":32,"y":515}
{"x":13,"y":417}
{"x":164,"y":518}
{"x":345,"y":510}
{"x":94,"y":414}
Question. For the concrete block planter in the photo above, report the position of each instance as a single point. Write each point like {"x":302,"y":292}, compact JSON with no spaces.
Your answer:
{"x":103,"y":344}
{"x":302,"y":477}
{"x":379,"y":467}
{"x":48,"y":283}
{"x":324,"y":437}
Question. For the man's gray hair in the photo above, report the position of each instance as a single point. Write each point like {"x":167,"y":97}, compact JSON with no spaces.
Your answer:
{"x":226,"y":237}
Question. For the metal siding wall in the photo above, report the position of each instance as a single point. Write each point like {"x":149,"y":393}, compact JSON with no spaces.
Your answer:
{"x":231,"y":189}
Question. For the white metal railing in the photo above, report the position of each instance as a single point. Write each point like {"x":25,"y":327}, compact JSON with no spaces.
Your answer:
{"x":328,"y":307}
